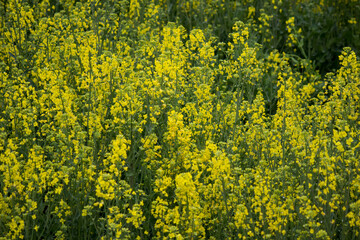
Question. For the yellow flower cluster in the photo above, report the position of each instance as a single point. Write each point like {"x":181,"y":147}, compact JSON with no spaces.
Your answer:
{"x":120,"y":121}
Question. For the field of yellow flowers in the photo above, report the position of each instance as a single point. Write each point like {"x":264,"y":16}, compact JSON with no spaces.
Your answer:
{"x":173,"y":119}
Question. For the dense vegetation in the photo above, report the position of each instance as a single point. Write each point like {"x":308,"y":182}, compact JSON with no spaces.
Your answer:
{"x":164,"y":119}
